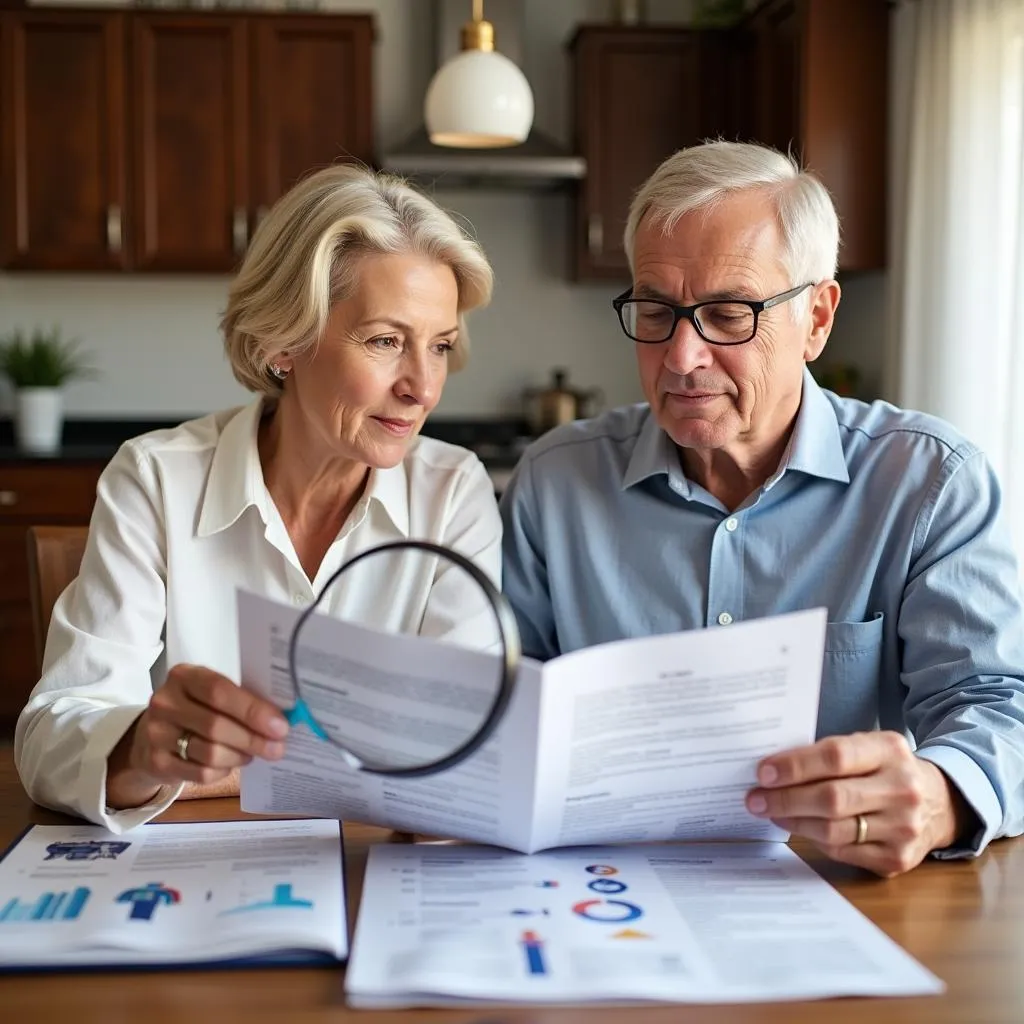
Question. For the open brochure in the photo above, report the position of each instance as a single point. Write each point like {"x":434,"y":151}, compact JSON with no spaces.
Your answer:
{"x":637,"y":740}
{"x":213,"y":893}
{"x":443,"y":925}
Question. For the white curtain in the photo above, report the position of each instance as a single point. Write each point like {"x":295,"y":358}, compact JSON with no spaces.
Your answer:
{"x":957,"y":214}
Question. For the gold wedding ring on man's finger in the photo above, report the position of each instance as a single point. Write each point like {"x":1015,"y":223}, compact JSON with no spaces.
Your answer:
{"x":862,"y":830}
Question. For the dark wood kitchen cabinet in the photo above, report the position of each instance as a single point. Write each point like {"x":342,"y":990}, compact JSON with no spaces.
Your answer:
{"x":312,"y":84}
{"x":186,"y":127}
{"x":640,"y":94}
{"x":62,"y":145}
{"x":807,"y":76}
{"x":819,"y":86}
{"x":190,"y":141}
{"x":31,"y":493}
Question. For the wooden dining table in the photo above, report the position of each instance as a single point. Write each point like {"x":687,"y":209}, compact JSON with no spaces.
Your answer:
{"x":964,"y":920}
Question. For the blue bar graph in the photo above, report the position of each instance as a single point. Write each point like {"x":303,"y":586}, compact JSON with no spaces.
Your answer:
{"x":74,"y":908}
{"x":50,"y":906}
{"x":51,"y":910}
{"x":42,"y":905}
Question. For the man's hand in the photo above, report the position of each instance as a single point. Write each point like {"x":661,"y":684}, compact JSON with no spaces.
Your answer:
{"x":908,"y":805}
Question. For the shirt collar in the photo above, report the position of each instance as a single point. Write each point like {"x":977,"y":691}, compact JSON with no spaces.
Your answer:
{"x":236,"y":476}
{"x":654,"y":454}
{"x":815,"y":446}
{"x":236,"y":479}
{"x":390,"y":489}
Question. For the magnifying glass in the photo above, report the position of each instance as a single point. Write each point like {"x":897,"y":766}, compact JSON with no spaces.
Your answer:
{"x":422,"y":687}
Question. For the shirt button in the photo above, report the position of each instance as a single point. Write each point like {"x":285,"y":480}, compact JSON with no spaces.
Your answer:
{"x":298,"y":598}
{"x":731,"y":523}
{"x":724,"y":619}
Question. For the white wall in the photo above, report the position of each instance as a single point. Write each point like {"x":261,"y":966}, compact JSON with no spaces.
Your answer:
{"x":155,"y":339}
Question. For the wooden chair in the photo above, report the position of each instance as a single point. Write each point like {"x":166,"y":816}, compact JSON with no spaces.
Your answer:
{"x":54,"y":555}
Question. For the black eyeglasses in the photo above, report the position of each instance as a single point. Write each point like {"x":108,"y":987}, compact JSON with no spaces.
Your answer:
{"x":719,"y":321}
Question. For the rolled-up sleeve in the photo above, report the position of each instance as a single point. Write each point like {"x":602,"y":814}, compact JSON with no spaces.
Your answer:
{"x":961,"y":627}
{"x":105,"y":636}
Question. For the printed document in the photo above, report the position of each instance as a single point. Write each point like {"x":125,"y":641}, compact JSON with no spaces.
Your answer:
{"x":441,"y":925}
{"x":202,"y":892}
{"x":648,"y":739}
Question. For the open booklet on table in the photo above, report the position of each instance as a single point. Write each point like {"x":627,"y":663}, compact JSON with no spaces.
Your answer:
{"x":447,"y":925}
{"x":223,"y":894}
{"x":637,"y":740}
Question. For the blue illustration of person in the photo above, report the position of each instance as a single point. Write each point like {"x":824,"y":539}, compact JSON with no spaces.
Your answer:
{"x":146,"y":898}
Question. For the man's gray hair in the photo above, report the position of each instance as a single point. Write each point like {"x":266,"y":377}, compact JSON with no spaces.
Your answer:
{"x":700,"y":177}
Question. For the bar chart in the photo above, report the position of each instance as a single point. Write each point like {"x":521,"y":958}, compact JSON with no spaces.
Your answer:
{"x":49,"y":906}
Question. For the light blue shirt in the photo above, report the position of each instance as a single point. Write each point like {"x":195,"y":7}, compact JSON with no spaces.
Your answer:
{"x":888,"y":518}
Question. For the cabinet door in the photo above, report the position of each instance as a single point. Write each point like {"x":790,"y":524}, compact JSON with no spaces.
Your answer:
{"x":775,"y":70}
{"x":638,"y":99}
{"x":312,"y":89}
{"x":820,"y":78}
{"x":63,"y":163}
{"x":844,"y":114}
{"x":190,"y":90}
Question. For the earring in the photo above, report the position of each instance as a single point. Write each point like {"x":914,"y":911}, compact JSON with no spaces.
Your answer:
{"x":278,"y":371}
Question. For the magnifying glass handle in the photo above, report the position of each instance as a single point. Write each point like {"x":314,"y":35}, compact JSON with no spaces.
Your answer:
{"x":299,"y":715}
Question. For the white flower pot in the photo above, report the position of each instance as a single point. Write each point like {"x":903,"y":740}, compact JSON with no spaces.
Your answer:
{"x":39,"y":416}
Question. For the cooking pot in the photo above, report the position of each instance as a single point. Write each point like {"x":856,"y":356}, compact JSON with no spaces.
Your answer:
{"x":559,"y":403}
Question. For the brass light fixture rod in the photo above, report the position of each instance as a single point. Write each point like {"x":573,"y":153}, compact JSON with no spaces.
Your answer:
{"x":478,"y":34}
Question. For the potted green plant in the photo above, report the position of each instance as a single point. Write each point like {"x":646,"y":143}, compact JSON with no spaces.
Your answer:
{"x":38,"y":365}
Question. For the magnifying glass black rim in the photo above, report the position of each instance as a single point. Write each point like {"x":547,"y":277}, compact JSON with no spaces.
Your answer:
{"x":510,"y":653}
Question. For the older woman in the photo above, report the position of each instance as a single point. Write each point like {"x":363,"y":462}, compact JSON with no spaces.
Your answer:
{"x":345,"y":319}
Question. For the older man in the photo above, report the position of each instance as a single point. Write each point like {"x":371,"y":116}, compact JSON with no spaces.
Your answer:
{"x":741,"y":489}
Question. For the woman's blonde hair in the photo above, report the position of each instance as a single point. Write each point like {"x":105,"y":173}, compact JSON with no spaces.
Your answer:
{"x":304,"y":255}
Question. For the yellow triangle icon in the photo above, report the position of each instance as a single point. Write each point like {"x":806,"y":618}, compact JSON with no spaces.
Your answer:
{"x":630,"y":933}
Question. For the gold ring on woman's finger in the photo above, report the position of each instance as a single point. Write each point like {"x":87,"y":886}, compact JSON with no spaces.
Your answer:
{"x":181,"y":745}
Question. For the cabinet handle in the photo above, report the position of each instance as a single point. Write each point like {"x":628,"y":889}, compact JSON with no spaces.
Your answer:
{"x":8,"y":498}
{"x":595,"y":234}
{"x":240,"y":230}
{"x":114,"y":227}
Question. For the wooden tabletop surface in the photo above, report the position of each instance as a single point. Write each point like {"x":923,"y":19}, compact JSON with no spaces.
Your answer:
{"x":963,"y":920}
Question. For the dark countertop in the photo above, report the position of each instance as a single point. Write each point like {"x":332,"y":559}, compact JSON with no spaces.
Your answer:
{"x":498,"y":442}
{"x":67,"y":453}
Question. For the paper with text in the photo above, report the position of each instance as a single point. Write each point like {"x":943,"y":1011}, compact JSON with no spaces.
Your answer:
{"x":441,"y":925}
{"x":653,"y":738}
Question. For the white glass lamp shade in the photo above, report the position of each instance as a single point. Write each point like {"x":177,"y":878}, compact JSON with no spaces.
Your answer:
{"x":478,"y":98}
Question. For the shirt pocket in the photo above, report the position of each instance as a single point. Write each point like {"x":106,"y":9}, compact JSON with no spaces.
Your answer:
{"x":850,"y":676}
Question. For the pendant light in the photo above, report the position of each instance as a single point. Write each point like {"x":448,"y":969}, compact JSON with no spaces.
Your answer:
{"x":478,"y":98}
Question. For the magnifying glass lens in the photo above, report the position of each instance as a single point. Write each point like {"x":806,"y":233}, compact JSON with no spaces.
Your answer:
{"x":413,"y":688}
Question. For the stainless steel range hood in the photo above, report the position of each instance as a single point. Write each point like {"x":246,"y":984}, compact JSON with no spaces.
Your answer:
{"x":538,"y":163}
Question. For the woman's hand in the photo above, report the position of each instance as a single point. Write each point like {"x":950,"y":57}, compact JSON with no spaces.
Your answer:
{"x":224,"y":725}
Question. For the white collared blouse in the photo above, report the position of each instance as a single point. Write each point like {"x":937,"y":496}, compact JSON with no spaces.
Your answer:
{"x":182,"y":520}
